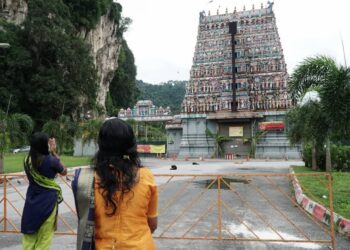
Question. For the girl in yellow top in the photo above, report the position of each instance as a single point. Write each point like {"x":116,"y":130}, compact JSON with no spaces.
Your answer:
{"x":117,"y":198}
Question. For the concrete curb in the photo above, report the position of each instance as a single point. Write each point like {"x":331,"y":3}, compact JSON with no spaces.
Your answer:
{"x":342,"y":225}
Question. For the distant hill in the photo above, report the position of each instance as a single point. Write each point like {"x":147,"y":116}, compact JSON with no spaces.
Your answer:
{"x":166,"y":94}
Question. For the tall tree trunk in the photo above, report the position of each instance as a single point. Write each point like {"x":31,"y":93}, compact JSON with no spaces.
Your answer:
{"x":313,"y":157}
{"x":328,"y":155}
{"x":253,"y":148}
{"x":82,"y":147}
{"x":1,"y":163}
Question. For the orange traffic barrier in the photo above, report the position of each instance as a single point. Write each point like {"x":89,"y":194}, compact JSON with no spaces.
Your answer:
{"x":202,"y":207}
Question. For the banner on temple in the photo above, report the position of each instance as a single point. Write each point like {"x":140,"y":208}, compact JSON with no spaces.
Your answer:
{"x":275,"y":125}
{"x":151,"y":149}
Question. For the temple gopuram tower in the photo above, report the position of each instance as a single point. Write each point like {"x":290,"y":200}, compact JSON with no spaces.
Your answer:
{"x":238,"y":81}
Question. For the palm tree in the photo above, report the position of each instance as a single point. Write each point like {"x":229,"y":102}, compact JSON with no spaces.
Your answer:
{"x":154,"y":133}
{"x":312,"y":72}
{"x":88,"y":131}
{"x":254,"y":140}
{"x":15,"y":130}
{"x":134,"y":125}
{"x":307,"y":124}
{"x":335,"y":96}
{"x":63,"y":130}
{"x":218,"y":139}
{"x":332,"y":81}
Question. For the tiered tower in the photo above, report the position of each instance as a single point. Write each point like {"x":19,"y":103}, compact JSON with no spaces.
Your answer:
{"x":238,"y":64}
{"x":238,"y":79}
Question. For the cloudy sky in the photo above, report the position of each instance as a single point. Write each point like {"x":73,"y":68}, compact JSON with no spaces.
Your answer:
{"x":163,"y":33}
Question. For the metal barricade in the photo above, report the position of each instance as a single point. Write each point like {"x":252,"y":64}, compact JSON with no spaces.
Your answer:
{"x":12,"y":197}
{"x":237,"y":207}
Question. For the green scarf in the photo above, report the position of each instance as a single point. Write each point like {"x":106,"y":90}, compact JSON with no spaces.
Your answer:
{"x":41,"y":180}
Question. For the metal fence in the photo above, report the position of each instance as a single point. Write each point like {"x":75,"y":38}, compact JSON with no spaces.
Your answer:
{"x":236,"y":207}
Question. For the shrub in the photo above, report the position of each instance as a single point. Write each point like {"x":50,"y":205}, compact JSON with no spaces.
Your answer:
{"x":340,"y":156}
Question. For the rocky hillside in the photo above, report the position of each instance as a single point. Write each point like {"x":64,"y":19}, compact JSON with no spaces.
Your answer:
{"x":100,"y":28}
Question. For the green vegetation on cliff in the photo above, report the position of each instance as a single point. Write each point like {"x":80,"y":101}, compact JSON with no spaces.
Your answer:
{"x":87,"y":13}
{"x":48,"y":71}
{"x":122,"y":90}
{"x":49,"y":74}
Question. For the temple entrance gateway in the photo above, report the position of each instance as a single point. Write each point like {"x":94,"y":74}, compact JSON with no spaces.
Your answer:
{"x":238,"y":72}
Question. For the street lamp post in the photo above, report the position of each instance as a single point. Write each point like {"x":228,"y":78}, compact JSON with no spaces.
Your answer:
{"x":3,"y":125}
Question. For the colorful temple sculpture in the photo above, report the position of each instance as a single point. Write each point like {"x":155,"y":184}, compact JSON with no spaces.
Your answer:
{"x":144,"y":110}
{"x":238,"y":79}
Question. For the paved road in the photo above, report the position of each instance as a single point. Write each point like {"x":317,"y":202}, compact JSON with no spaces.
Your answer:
{"x":247,"y":211}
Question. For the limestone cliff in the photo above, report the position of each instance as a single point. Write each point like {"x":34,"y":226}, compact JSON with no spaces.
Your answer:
{"x":14,"y":11}
{"x":105,"y":46}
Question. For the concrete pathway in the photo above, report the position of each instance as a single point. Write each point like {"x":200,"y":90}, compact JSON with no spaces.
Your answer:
{"x":13,"y":241}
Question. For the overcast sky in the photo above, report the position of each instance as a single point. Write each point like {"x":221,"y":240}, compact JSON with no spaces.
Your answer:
{"x":163,"y":33}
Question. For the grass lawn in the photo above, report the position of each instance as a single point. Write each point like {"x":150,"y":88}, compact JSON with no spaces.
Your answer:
{"x":316,"y":187}
{"x":14,"y":162}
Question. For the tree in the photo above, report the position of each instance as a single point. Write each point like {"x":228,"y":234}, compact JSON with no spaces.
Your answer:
{"x":15,"y":130}
{"x":133,"y":124}
{"x":307,"y":124}
{"x":312,"y":72}
{"x":123,"y":89}
{"x":47,"y":68}
{"x":218,"y":139}
{"x":63,"y":130}
{"x":332,"y":81}
{"x":63,"y":76}
{"x":87,"y":13}
{"x":88,"y":131}
{"x":335,"y":97}
{"x":15,"y":67}
{"x":151,"y":131}
{"x":170,"y":94}
{"x":254,"y":140}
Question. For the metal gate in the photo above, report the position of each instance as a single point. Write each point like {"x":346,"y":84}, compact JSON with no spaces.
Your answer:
{"x":235,"y":207}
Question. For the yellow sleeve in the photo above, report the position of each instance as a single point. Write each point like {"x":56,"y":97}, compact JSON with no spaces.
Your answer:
{"x":153,"y":202}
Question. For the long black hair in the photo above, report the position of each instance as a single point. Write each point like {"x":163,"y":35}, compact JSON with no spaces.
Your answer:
{"x":39,"y":148}
{"x":116,"y":161}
